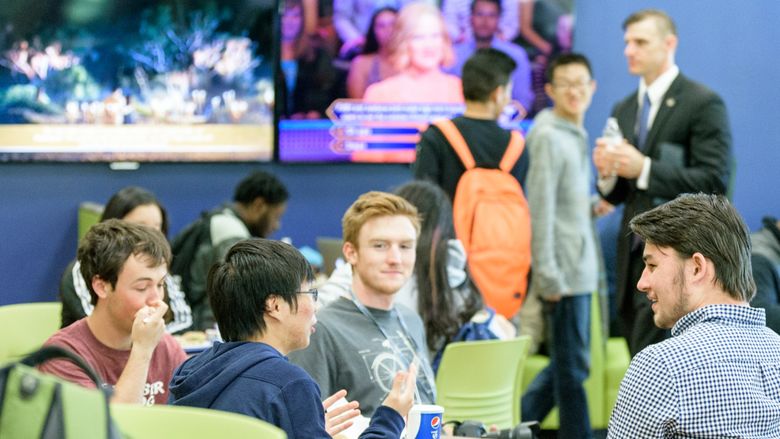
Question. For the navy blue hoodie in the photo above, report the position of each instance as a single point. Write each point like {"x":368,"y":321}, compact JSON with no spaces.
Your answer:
{"x":254,"y":379}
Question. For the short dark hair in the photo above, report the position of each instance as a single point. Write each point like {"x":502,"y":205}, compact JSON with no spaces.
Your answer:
{"x":664,"y":22}
{"x":495,"y":2}
{"x":108,"y":244}
{"x":123,"y":202}
{"x":484,"y":71}
{"x":254,"y":270}
{"x":263,"y":185}
{"x":563,"y":60}
{"x":707,"y":224}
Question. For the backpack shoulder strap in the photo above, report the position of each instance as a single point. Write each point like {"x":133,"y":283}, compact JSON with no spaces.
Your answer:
{"x":513,"y":151}
{"x":456,"y":140}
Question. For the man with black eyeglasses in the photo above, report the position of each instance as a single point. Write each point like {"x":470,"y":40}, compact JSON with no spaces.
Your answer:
{"x":363,"y":338}
{"x":564,"y":253}
{"x":262,"y":300}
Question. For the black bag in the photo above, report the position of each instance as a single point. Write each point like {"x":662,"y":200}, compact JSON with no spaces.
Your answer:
{"x":186,"y":244}
{"x":38,"y":405}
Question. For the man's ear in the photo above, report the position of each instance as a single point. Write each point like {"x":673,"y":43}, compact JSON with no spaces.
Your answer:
{"x":350,"y":253}
{"x":101,"y":287}
{"x":701,"y":268}
{"x":258,"y":207}
{"x":273,"y":307}
{"x":548,"y":90}
{"x":496,"y":93}
{"x":671,"y":42}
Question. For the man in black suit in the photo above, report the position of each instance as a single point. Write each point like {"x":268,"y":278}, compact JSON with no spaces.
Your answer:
{"x":677,"y":140}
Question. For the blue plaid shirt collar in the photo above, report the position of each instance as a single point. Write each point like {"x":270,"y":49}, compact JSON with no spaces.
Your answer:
{"x":728,"y":314}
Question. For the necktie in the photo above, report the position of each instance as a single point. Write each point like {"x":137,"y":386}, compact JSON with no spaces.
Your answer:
{"x":644,"y":115}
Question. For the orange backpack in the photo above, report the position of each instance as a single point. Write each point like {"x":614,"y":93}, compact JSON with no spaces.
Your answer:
{"x":493,"y":222}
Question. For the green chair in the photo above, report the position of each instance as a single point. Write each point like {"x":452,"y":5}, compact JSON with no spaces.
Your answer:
{"x":25,"y":327}
{"x":177,"y":422}
{"x":477,"y":380}
{"x":608,"y":364}
{"x":89,"y":215}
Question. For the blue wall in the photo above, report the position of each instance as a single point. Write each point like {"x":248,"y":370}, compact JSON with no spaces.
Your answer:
{"x":730,"y":46}
{"x":39,"y":205}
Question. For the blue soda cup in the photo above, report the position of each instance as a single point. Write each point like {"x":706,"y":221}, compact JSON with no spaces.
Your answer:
{"x":424,"y":422}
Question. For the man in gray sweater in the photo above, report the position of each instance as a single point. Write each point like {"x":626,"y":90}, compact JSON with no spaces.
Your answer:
{"x":564,"y":258}
{"x":362,"y":340}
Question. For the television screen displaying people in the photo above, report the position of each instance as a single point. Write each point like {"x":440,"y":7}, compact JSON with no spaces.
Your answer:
{"x":359,"y":81}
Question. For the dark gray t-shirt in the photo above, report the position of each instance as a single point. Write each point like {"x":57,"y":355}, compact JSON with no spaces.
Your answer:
{"x":348,"y":351}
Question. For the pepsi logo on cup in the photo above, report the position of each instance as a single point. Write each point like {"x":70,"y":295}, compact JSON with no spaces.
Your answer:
{"x":435,"y":421}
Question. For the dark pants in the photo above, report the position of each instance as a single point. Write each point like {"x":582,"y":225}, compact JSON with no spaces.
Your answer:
{"x":560,"y":383}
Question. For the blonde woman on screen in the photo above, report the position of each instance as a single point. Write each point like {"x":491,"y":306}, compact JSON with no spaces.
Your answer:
{"x":420,"y":46}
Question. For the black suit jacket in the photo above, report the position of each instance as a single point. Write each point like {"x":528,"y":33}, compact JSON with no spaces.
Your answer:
{"x":690,"y":147}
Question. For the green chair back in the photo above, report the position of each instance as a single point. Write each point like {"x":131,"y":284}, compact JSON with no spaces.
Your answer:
{"x":595,"y":383}
{"x":477,"y":380}
{"x":25,"y":327}
{"x":177,"y":422}
{"x":89,"y":215}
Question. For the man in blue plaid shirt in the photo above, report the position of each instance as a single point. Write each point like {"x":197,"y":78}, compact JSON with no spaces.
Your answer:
{"x":719,"y":374}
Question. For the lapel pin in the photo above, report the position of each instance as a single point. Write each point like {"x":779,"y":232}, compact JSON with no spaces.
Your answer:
{"x":670,"y":102}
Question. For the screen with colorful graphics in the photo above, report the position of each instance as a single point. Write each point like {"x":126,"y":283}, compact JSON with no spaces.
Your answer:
{"x":140,"y":80}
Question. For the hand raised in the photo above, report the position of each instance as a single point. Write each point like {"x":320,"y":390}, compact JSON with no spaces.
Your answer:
{"x":401,"y":397}
{"x":338,"y":419}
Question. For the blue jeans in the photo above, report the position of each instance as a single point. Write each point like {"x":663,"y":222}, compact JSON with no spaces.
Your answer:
{"x":560,"y":383}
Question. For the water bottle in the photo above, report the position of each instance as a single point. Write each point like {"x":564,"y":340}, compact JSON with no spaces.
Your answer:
{"x":612,"y":136}
{"x":612,"y":133}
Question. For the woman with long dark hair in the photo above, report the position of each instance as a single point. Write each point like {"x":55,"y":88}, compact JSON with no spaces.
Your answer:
{"x":446,"y":297}
{"x":374,"y":64}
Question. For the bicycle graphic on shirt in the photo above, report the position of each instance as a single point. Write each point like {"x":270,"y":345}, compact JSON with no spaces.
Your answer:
{"x":391,"y":356}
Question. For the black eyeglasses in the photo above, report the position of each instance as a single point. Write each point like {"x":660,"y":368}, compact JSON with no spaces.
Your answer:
{"x":314,"y":293}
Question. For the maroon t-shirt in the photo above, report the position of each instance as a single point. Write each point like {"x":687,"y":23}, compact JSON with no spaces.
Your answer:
{"x":109,"y":363}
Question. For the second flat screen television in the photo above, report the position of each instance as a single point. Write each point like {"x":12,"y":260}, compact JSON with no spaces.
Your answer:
{"x":344,"y":92}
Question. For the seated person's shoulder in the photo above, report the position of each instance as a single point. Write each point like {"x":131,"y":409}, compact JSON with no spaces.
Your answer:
{"x":274,"y":369}
{"x":72,"y":337}
{"x":75,"y":338}
{"x":515,"y":51}
{"x":410,"y":316}
{"x":337,"y":319}
{"x":406,"y":312}
{"x":226,"y":226}
{"x":337,"y":285}
{"x":361,"y":63}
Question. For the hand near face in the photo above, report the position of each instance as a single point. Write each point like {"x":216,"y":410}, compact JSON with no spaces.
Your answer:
{"x":338,"y":419}
{"x":149,"y":326}
{"x":401,"y":397}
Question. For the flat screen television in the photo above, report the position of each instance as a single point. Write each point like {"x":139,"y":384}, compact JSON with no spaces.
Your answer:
{"x":140,"y":80}
{"x":327,"y":125}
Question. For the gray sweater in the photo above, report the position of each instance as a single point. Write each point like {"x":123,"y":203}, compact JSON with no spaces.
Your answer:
{"x":348,"y":351}
{"x":564,"y":258}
